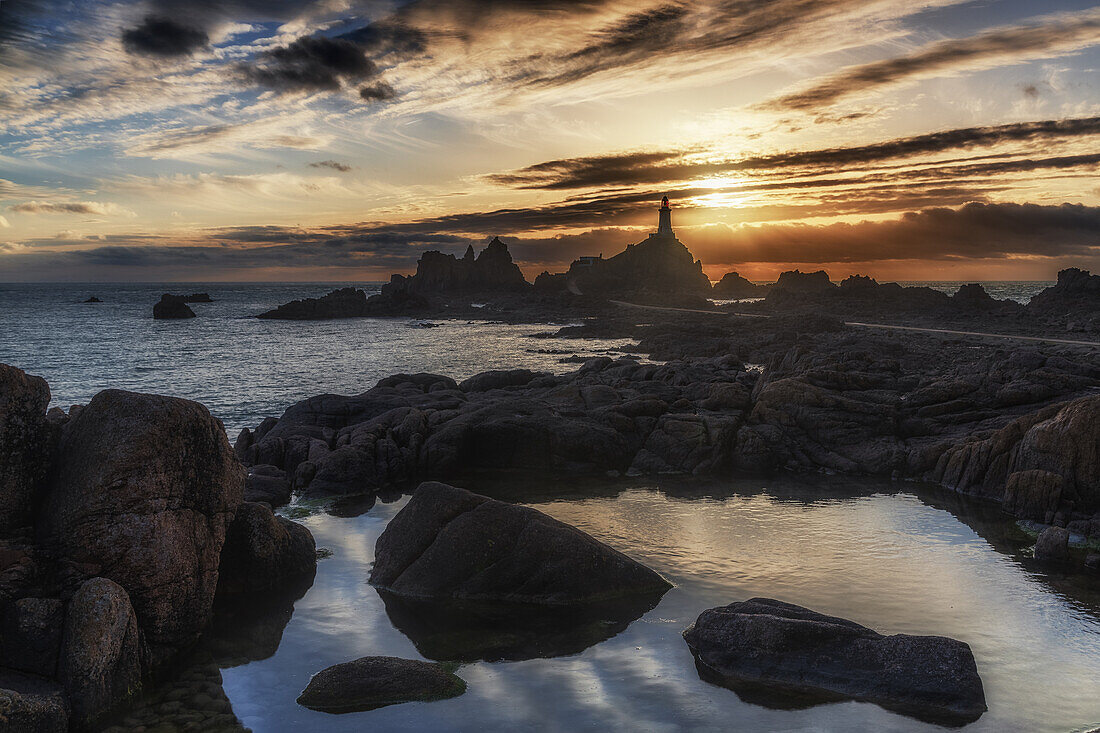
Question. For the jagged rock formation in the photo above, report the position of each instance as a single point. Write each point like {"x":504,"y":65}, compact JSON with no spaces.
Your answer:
{"x":116,"y":523}
{"x":172,"y":307}
{"x":491,"y":270}
{"x":732,"y":287}
{"x":781,"y":655}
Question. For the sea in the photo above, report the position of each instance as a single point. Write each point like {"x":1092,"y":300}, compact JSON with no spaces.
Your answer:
{"x":898,"y":557}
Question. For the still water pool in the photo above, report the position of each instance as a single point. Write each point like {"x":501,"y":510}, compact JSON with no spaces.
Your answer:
{"x":898,"y":562}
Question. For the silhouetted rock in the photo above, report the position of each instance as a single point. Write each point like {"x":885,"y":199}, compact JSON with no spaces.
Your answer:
{"x":101,"y":657}
{"x":449,"y":543}
{"x":172,"y":307}
{"x":343,"y":303}
{"x":24,"y":444}
{"x":1076,"y":291}
{"x":781,"y":655}
{"x":733,"y":287}
{"x":374,"y":682}
{"x":491,"y":270}
{"x":659,"y":265}
{"x":144,"y":488}
{"x":263,"y":552}
{"x":801,"y":283}
{"x":93,"y":299}
{"x":198,"y":298}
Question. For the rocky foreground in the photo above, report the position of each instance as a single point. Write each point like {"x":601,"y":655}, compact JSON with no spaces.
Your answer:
{"x":121,"y":523}
{"x":1015,"y":424}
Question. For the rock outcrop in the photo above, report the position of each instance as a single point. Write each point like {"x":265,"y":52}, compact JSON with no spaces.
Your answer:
{"x":449,"y":543}
{"x":110,"y":558}
{"x":437,"y":273}
{"x":25,"y":445}
{"x":374,"y":682}
{"x":172,"y":307}
{"x":782,"y":655}
{"x":733,"y":287}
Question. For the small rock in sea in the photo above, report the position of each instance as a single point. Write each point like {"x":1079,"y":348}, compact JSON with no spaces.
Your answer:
{"x":374,"y":682}
{"x":423,"y":324}
{"x":1052,"y":545}
{"x":172,"y":306}
{"x":780,"y":655}
{"x":198,"y":298}
{"x":93,"y":299}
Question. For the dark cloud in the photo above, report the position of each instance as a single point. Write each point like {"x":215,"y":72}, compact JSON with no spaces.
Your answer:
{"x":158,"y":36}
{"x":76,"y":207}
{"x":671,"y":166}
{"x":333,"y":164}
{"x":379,"y":91}
{"x":388,"y":37}
{"x":311,"y":63}
{"x":1022,"y":41}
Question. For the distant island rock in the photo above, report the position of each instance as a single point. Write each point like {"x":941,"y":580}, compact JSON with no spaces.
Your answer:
{"x":198,"y":298}
{"x":734,"y":287}
{"x":172,"y":307}
{"x":93,"y":299}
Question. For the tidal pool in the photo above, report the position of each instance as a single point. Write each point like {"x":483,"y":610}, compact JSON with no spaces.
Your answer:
{"x":897,"y":558}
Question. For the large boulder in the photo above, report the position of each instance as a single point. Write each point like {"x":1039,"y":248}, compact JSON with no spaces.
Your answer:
{"x":1052,"y":545}
{"x":449,"y":543}
{"x":782,"y":655}
{"x":172,"y":307}
{"x":263,"y":552}
{"x":374,"y":682}
{"x":142,"y":492}
{"x":24,"y":444}
{"x":102,"y":654}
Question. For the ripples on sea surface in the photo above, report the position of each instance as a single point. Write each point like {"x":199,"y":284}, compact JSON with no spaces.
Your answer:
{"x":921,"y":563}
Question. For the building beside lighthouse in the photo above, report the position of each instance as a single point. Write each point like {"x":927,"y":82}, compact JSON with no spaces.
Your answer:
{"x":659,"y":264}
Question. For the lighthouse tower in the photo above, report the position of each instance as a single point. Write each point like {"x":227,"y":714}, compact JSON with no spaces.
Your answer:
{"x":664,"y":221}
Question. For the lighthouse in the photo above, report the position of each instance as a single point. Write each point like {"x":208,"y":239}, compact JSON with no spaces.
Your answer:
{"x":664,"y":221}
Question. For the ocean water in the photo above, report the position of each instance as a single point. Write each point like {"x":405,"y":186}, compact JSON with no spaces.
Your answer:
{"x":899,"y":558}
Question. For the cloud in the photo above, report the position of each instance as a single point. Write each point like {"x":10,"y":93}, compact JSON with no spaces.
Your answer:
{"x":651,"y":167}
{"x":334,"y":165}
{"x":377,"y":92}
{"x":93,"y":208}
{"x":4,"y":223}
{"x":1013,"y":44}
{"x":159,"y":36}
{"x":311,"y":63}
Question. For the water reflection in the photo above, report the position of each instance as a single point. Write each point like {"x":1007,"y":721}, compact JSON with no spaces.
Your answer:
{"x":896,"y":562}
{"x":467,"y":631}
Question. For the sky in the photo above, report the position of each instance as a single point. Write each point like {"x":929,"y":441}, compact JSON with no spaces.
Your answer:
{"x":337,"y":140}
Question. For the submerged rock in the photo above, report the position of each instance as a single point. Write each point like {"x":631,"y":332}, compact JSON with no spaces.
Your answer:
{"x":374,"y":682}
{"x":449,"y":543}
{"x":93,"y":299}
{"x":172,"y":306}
{"x":781,"y":655}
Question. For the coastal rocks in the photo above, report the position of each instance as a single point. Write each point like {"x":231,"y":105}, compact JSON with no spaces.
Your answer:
{"x":803,"y":283}
{"x":24,"y":444}
{"x":449,"y":543}
{"x":436,"y":272}
{"x":781,"y":655}
{"x":267,"y":484}
{"x":343,"y":303}
{"x":30,"y":704}
{"x":263,"y":552}
{"x":101,"y":659}
{"x":1052,"y":545}
{"x":30,"y":635}
{"x":143,"y":489}
{"x":658,"y":266}
{"x":172,"y":307}
{"x":734,"y":287}
{"x":369,"y":683}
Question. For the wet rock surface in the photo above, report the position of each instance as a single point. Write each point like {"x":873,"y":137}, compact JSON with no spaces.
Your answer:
{"x":451,"y":544}
{"x":373,"y":682}
{"x":781,"y":655}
